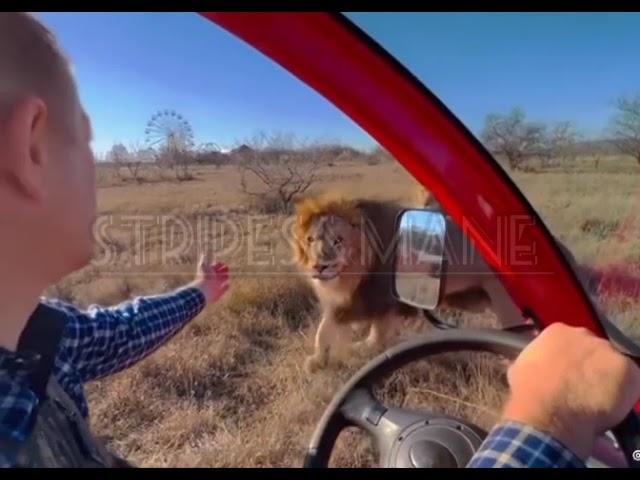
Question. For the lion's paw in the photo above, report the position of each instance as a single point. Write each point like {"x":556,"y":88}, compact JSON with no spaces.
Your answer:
{"x":314,"y":363}
{"x":366,"y":347}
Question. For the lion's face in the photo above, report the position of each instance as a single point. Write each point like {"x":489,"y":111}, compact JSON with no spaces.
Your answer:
{"x":330,"y":247}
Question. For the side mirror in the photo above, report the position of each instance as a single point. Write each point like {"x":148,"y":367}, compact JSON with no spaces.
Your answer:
{"x":419,"y":260}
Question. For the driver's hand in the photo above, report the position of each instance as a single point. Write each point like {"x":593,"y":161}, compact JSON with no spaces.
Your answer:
{"x":573,"y":385}
{"x":212,"y":278}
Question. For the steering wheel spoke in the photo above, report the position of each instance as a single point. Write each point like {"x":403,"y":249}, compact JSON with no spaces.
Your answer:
{"x":362,"y":409}
{"x":384,"y":424}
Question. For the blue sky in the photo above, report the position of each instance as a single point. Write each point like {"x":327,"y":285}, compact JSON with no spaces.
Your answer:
{"x":555,"y":66}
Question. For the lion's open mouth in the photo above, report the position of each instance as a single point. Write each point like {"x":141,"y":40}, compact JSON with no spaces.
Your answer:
{"x":326,"y":273}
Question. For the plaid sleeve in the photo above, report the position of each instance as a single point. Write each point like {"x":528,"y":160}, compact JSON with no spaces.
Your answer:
{"x":102,"y":341}
{"x":514,"y":445}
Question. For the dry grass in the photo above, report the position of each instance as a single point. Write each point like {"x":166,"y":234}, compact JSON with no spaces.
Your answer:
{"x":229,"y":390}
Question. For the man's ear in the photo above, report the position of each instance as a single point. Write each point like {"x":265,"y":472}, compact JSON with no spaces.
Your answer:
{"x":24,"y":147}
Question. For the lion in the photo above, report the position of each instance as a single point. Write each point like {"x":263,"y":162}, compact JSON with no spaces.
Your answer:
{"x":345,"y":247}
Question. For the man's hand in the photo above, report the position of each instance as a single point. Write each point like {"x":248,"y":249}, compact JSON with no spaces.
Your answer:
{"x":573,"y":385}
{"x":212,"y":278}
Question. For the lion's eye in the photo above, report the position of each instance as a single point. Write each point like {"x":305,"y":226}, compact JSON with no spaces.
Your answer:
{"x":309,"y":239}
{"x":337,"y":241}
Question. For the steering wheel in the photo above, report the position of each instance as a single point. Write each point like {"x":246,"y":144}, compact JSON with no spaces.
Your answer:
{"x":406,"y":438}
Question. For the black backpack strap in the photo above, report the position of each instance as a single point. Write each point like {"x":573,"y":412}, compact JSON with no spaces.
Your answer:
{"x":39,"y":342}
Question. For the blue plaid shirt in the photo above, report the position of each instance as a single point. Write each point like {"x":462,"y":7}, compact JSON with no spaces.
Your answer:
{"x":97,"y":342}
{"x":101,"y":341}
{"x":514,"y":445}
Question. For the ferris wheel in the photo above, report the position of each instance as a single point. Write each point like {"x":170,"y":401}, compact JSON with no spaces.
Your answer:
{"x":167,"y":129}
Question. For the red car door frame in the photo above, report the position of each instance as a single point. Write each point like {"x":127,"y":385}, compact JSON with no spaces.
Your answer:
{"x":335,"y":58}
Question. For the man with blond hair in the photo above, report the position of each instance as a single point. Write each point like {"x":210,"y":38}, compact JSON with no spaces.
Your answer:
{"x":48,"y":349}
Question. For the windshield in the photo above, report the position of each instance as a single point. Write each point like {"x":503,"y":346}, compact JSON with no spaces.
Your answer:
{"x":203,"y":144}
{"x":555,"y":98}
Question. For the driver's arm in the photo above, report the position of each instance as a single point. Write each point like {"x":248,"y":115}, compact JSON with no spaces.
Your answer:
{"x":567,"y":388}
{"x":516,"y":445}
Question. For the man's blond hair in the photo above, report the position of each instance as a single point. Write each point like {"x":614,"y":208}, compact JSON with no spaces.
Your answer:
{"x":32,"y":63}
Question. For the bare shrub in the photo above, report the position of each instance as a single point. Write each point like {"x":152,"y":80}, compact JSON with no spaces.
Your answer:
{"x":177,"y":160}
{"x":276,"y":169}
{"x":561,"y":142}
{"x":130,"y":160}
{"x":513,"y":136}
{"x":625,"y":126}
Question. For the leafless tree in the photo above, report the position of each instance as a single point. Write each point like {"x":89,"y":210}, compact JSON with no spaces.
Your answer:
{"x":176,"y":159}
{"x":625,"y":126}
{"x":513,"y":136}
{"x":118,"y":155}
{"x":131,"y":159}
{"x":138,"y":156}
{"x":276,"y":169}
{"x":562,"y":140}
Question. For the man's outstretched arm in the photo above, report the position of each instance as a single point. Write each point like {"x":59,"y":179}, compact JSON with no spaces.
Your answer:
{"x":104,"y":340}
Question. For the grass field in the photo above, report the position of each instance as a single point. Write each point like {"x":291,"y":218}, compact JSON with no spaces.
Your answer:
{"x":229,"y":390}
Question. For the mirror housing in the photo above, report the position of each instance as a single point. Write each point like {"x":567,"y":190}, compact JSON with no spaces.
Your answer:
{"x":420,"y":258}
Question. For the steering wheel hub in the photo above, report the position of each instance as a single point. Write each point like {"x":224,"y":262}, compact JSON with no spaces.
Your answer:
{"x":428,"y":454}
{"x":435,"y":443}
